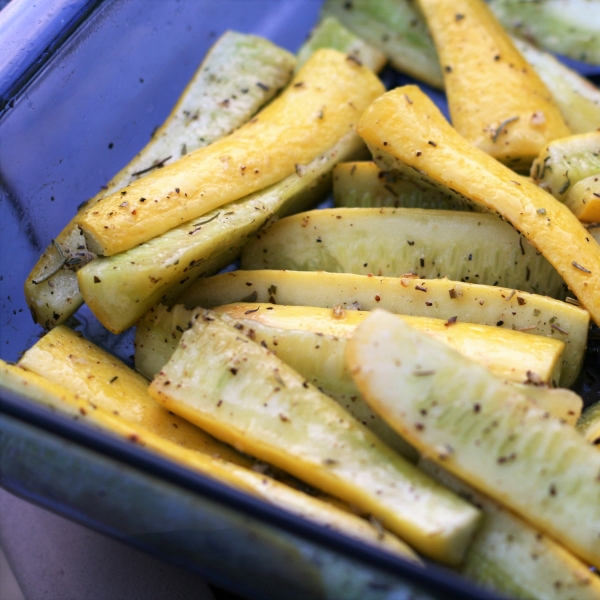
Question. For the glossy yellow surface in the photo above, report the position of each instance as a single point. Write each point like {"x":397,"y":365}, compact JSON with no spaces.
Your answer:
{"x":322,"y":103}
{"x":496,"y":99}
{"x":245,"y":395}
{"x":68,"y":359}
{"x":509,"y":354}
{"x":404,"y":128}
{"x":61,"y":399}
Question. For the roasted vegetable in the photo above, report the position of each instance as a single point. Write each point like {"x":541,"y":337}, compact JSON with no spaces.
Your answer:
{"x":568,"y":27}
{"x":362,"y":184}
{"x":321,"y":511}
{"x":511,"y":557}
{"x":119,"y":289}
{"x":569,"y":169}
{"x":396,"y":241}
{"x":322,"y":103}
{"x":200,"y":117}
{"x":495,"y":98}
{"x":461,"y":416}
{"x":408,"y":295}
{"x":406,"y":131}
{"x":330,"y":33}
{"x":245,"y":395}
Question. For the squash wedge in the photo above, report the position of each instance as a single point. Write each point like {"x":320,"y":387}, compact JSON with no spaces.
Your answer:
{"x":567,"y":27}
{"x":245,"y":395}
{"x":51,"y":290}
{"x":461,"y":416}
{"x":408,"y":295}
{"x":322,"y":103}
{"x":511,"y":557}
{"x":119,"y":289}
{"x":362,"y":184}
{"x":330,"y":33}
{"x":319,"y":510}
{"x":66,"y":358}
{"x":495,"y":98}
{"x":396,"y":241}
{"x":406,"y":131}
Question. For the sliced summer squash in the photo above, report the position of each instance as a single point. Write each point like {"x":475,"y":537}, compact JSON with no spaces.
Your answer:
{"x":61,"y":399}
{"x":437,"y":298}
{"x":396,"y":28}
{"x":495,"y":98}
{"x":68,"y":359}
{"x":589,"y":424}
{"x":317,"y":356}
{"x":119,"y":289}
{"x":577,"y":97}
{"x":322,"y":103}
{"x":245,"y":395}
{"x":568,"y":27}
{"x":362,"y":184}
{"x":461,"y":416}
{"x":509,"y":354}
{"x":406,"y":131}
{"x":313,"y":340}
{"x":569,"y":169}
{"x":231,"y":70}
{"x":330,"y":33}
{"x":464,"y":246}
{"x":511,"y":557}
{"x":583,"y":199}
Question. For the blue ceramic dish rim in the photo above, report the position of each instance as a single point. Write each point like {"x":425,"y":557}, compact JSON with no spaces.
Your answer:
{"x":21,"y":58}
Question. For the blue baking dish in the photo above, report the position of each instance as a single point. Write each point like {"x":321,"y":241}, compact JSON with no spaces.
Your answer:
{"x":79,"y":96}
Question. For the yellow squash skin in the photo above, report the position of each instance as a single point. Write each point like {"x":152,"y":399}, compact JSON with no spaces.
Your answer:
{"x":512,"y":355}
{"x":464,"y":418}
{"x":496,"y":99}
{"x":323,"y":102}
{"x":405,"y":130}
{"x":66,"y":358}
{"x":61,"y":399}
{"x":438,"y":298}
{"x":332,"y":515}
{"x":243,"y":394}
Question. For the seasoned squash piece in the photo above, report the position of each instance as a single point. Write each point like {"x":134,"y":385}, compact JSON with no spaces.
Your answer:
{"x":245,"y":395}
{"x":461,"y":416}
{"x":511,"y":557}
{"x":199,"y":118}
{"x":396,"y":241}
{"x":68,"y":359}
{"x":322,"y":103}
{"x":439,"y":298}
{"x":330,"y":33}
{"x":495,"y":98}
{"x":406,"y":131}
{"x":330,"y":514}
{"x":362,"y":184}
{"x":119,"y":289}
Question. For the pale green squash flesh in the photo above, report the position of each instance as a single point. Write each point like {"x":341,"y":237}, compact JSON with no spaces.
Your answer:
{"x":230,"y":71}
{"x":244,"y":394}
{"x":458,"y":414}
{"x":513,"y":558}
{"x":405,"y":130}
{"x":473,"y":247}
{"x":365,"y":185}
{"x":437,"y":298}
{"x":119,"y":289}
{"x":330,"y":33}
{"x":34,"y":387}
